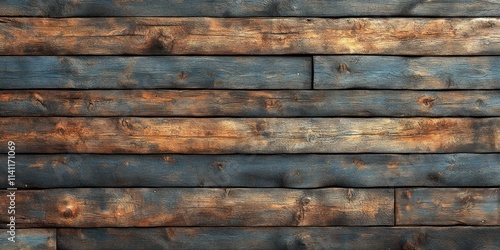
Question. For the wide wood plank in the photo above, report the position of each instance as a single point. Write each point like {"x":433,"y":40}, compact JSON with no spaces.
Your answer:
{"x":235,"y":103}
{"x":457,"y":238}
{"x":391,"y":72}
{"x":146,"y":207}
{"x":106,"y":72}
{"x":250,"y":135}
{"x":288,"y":171}
{"x":448,"y":206}
{"x":32,"y":238}
{"x":227,"y":8}
{"x":215,"y":36}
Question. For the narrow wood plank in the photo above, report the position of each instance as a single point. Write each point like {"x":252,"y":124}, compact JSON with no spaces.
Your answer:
{"x":236,"y":103}
{"x":388,"y":72}
{"x":216,"y":36}
{"x":105,"y":72}
{"x":448,"y":206}
{"x":287,"y":171}
{"x":250,"y":135}
{"x":33,"y":238}
{"x":227,"y":8}
{"x":146,"y":207}
{"x":459,"y":238}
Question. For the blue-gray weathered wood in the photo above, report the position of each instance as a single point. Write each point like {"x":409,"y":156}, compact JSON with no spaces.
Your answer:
{"x":107,"y":72}
{"x":29,"y":239}
{"x":287,"y":171}
{"x":227,"y":8}
{"x":391,"y":72}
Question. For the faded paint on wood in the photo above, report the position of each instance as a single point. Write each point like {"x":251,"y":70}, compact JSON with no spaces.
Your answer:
{"x":215,"y":36}
{"x":30,"y":239}
{"x":227,"y":8}
{"x":387,"y":72}
{"x":251,"y":135}
{"x":192,"y":103}
{"x":287,"y":171}
{"x":105,"y":72}
{"x":448,"y":206}
{"x":147,"y":207}
{"x":458,"y":238}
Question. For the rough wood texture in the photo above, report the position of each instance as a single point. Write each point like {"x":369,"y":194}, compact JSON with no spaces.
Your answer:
{"x":287,"y":171}
{"x":448,"y":206}
{"x":209,"y":36}
{"x":457,"y":238}
{"x":236,"y":103}
{"x":145,"y":207}
{"x":30,"y":239}
{"x":227,"y":8}
{"x":390,"y":72}
{"x":250,"y":135}
{"x":106,"y":72}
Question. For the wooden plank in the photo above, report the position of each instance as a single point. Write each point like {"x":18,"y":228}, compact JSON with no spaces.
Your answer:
{"x":458,"y":238}
{"x":250,"y":135}
{"x":147,"y":207}
{"x":227,"y":8}
{"x":287,"y":171}
{"x":448,"y":206}
{"x":105,"y":72}
{"x":216,"y":36}
{"x":238,"y":103}
{"x":33,"y":238}
{"x":383,"y":72}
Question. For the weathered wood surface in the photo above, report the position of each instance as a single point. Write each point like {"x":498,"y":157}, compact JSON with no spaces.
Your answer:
{"x":30,"y":239}
{"x":448,"y":206}
{"x":107,"y":72}
{"x":146,"y":207}
{"x":457,"y":238}
{"x":250,"y":135}
{"x":391,"y":72}
{"x":287,"y":171}
{"x":215,"y":36}
{"x":236,"y":103}
{"x":227,"y":8}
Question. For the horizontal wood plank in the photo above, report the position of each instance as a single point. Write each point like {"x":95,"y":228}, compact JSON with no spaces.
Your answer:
{"x":174,"y":72}
{"x":216,"y":36}
{"x":193,"y":103}
{"x":392,"y":72}
{"x":448,"y":206}
{"x":250,"y":135}
{"x":287,"y":171}
{"x":458,"y":238}
{"x":32,"y":238}
{"x":146,"y":207}
{"x":227,"y":8}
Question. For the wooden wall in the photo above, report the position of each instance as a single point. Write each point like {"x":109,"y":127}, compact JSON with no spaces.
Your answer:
{"x":277,"y":124}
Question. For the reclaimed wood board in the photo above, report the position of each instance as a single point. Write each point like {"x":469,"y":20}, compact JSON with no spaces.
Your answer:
{"x":458,"y":238}
{"x":147,"y":207}
{"x":161,"y":72}
{"x":33,"y":238}
{"x":249,"y":36}
{"x":251,"y":135}
{"x":277,"y":171}
{"x":447,"y":206}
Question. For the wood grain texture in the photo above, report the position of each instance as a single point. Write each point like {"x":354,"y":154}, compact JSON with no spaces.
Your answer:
{"x":286,"y":171}
{"x":145,"y":207}
{"x":250,"y":135}
{"x":174,"y":72}
{"x":392,"y":72}
{"x":448,"y":206}
{"x":30,"y":239}
{"x":227,"y":8}
{"x":195,"y":103}
{"x":458,"y":238}
{"x":215,"y":36}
